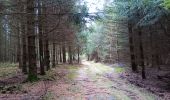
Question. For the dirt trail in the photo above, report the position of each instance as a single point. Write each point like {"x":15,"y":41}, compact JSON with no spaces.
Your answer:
{"x":88,"y":81}
{"x":95,"y":81}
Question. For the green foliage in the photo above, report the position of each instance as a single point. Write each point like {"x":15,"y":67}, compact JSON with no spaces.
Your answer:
{"x":8,"y":64}
{"x":8,"y":70}
{"x":32,"y":78}
{"x":166,"y":4}
{"x":48,"y":96}
{"x":11,"y":89}
{"x":142,"y":12}
{"x":119,"y":69}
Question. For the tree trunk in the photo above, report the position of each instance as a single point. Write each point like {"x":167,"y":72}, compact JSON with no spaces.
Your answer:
{"x":132,"y":53}
{"x":46,"y":43}
{"x":56,"y":53}
{"x":53,"y":53}
{"x":31,"y":41}
{"x":78,"y":54}
{"x":40,"y":28}
{"x":70,"y":55}
{"x":19,"y":47}
{"x":141,"y":53}
{"x":24,"y":50}
{"x":64,"y":53}
{"x":60,"y":54}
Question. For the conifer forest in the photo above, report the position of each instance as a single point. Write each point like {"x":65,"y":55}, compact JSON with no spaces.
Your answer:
{"x":84,"y":49}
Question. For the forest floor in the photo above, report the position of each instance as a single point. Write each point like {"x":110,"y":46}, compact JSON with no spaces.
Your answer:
{"x":88,"y":81}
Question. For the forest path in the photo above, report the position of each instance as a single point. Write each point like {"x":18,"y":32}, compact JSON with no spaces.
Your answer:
{"x":95,"y":81}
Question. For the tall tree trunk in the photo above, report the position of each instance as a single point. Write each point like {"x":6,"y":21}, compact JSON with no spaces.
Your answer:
{"x":70,"y":55}
{"x":24,"y":42}
{"x":132,"y":53}
{"x":151,"y":46}
{"x":64,"y":53}
{"x":31,"y":41}
{"x":56,"y":53}
{"x":47,"y":55}
{"x":53,"y":53}
{"x":19,"y":47}
{"x":141,"y":53}
{"x":46,"y":43}
{"x":60,"y":54}
{"x":24,"y":50}
{"x":78,"y":54}
{"x":40,"y":28}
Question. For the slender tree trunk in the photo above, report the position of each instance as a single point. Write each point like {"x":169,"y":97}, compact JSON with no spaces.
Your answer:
{"x":70,"y":55}
{"x":24,"y":50}
{"x":53,"y":53}
{"x":64,"y":53}
{"x":60,"y":54}
{"x":46,"y":43}
{"x":56,"y":53}
{"x":31,"y":41}
{"x":132,"y":53}
{"x":141,"y":53}
{"x":40,"y":28}
{"x":151,"y":46}
{"x":47,"y":55}
{"x":19,"y":47}
{"x":78,"y":54}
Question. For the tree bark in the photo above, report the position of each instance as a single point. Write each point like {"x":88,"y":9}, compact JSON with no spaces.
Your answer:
{"x":64,"y":53}
{"x":24,"y":50}
{"x":132,"y":53}
{"x":53,"y":53}
{"x":70,"y":55}
{"x":40,"y":28}
{"x":60,"y":54}
{"x":56,"y":53}
{"x":78,"y":54}
{"x":31,"y":41}
{"x":141,"y":54}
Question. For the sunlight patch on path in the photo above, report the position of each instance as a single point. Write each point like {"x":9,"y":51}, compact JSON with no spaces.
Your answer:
{"x":115,"y":87}
{"x":95,"y":81}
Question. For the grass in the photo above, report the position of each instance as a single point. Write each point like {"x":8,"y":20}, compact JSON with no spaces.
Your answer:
{"x":72,"y":72}
{"x":7,"y":64}
{"x":50,"y":75}
{"x":8,"y":69}
{"x":12,"y":89}
{"x":48,"y":96}
{"x":119,"y":69}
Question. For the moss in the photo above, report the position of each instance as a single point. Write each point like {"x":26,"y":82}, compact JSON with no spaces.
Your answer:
{"x":48,"y":96}
{"x":32,"y":78}
{"x":50,"y":75}
{"x":8,"y":71}
{"x":119,"y":70}
{"x":7,"y":64}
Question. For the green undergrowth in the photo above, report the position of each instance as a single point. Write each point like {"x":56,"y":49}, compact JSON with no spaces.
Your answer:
{"x":17,"y":88}
{"x":50,"y":75}
{"x":119,"y":69}
{"x":7,"y":64}
{"x":72,"y":72}
{"x":8,"y":71}
{"x":48,"y":96}
{"x":72,"y":67}
{"x":32,"y":78}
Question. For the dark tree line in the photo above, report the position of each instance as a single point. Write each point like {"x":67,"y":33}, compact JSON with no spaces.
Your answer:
{"x":39,"y":34}
{"x":132,"y":32}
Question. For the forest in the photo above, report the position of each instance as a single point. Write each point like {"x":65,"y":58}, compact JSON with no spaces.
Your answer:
{"x":84,"y":49}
